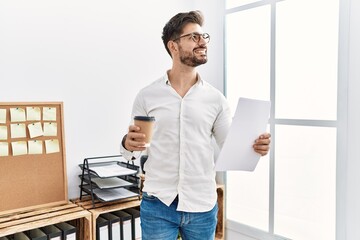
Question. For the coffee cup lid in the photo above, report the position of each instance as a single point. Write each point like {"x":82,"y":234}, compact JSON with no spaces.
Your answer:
{"x":144,"y":118}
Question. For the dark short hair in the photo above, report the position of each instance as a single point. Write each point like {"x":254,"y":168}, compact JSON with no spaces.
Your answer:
{"x":174,"y":27}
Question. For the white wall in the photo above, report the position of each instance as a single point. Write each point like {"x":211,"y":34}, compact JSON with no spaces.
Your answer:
{"x":94,"y":56}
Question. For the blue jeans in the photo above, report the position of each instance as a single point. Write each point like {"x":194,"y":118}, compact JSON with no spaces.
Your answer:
{"x":161,"y":222}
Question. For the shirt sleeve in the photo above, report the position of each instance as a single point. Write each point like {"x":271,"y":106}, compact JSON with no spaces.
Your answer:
{"x":137,"y":110}
{"x":128,"y":155}
{"x":222,"y":123}
{"x":139,"y":106}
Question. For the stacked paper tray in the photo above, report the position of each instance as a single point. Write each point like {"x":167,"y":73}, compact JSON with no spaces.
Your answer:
{"x":109,"y":180}
{"x":110,"y":169}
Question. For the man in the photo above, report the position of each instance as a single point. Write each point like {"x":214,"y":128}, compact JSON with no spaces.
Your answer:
{"x":179,"y":193}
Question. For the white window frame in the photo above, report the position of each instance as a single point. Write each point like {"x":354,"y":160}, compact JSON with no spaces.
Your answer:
{"x":341,"y":124}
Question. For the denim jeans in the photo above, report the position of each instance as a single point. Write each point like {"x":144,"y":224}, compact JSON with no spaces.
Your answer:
{"x":160,"y":222}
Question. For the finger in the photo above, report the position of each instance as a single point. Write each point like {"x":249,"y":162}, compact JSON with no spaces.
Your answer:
{"x":261,"y":148}
{"x":262,"y":153}
{"x":136,"y":145}
{"x":133,"y":128}
{"x":265,"y":136}
{"x":258,"y":147}
{"x":263,"y":141}
{"x":136,"y":135}
{"x":135,"y":141}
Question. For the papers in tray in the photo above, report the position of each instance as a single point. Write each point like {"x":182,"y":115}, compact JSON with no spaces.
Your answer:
{"x":110,"y":182}
{"x":114,"y":194}
{"x":112,"y":170}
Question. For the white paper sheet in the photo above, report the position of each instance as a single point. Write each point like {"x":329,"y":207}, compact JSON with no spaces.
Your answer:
{"x":33,"y":113}
{"x":19,"y":148}
{"x":49,"y":114}
{"x":113,"y":194}
{"x":112,"y":170}
{"x":18,"y":130}
{"x":4,"y":149}
{"x":3,"y":133}
{"x":35,"y":130}
{"x":35,"y":147}
{"x":2,"y":115}
{"x":50,"y":128}
{"x":110,"y":182}
{"x":52,"y":146}
{"x":17,"y":114}
{"x":250,"y":120}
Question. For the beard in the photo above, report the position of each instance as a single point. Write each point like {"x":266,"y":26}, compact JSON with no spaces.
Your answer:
{"x":189,"y":59}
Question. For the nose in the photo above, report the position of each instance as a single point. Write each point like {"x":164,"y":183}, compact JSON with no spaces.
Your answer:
{"x":202,"y":41}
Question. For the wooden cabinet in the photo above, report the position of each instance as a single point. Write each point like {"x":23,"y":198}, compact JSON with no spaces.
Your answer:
{"x":101,"y":207}
{"x":220,"y":227}
{"x":83,"y":215}
{"x":36,"y":218}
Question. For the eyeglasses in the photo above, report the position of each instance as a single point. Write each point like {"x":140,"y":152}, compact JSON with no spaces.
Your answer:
{"x":196,"y":37}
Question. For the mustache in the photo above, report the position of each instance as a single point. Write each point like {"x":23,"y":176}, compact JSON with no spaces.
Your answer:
{"x":200,"y":48}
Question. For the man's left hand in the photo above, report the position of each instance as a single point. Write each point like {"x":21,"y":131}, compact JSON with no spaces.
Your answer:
{"x":262,"y":144}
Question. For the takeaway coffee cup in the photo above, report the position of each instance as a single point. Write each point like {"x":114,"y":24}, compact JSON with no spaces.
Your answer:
{"x":146,"y":124}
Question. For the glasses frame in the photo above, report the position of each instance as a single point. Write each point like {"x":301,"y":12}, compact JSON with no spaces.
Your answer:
{"x":193,"y":35}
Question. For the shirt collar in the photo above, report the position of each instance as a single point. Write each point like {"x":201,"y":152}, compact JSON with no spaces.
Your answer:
{"x":198,"y":82}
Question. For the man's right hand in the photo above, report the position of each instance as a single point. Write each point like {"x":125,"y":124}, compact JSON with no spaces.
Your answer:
{"x":134,"y":140}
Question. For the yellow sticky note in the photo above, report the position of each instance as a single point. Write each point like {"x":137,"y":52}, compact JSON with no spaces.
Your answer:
{"x":50,"y":129}
{"x":2,"y":115}
{"x":17,"y":114}
{"x":33,"y":113}
{"x":4,"y":149}
{"x":3,"y":133}
{"x":49,"y":114}
{"x":18,"y":130}
{"x":35,"y":147}
{"x":35,"y":129}
{"x":19,"y":148}
{"x":52,"y":146}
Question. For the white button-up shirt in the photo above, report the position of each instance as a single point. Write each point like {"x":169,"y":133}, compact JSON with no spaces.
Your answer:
{"x":181,"y":156}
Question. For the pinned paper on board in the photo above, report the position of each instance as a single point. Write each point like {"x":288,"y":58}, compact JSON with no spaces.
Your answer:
{"x":49,"y":114}
{"x":35,"y":147}
{"x":50,"y":129}
{"x":52,"y":146}
{"x":18,"y":130}
{"x":2,"y":115}
{"x":17,"y":114}
{"x":4,"y":149}
{"x":3,"y":133}
{"x":33,"y":113}
{"x":35,"y":130}
{"x":19,"y":148}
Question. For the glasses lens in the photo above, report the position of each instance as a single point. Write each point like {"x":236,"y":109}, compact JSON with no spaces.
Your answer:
{"x":206,"y":37}
{"x":195,"y":37}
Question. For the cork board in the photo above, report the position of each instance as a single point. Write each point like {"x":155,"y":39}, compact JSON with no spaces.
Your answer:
{"x":32,"y":156}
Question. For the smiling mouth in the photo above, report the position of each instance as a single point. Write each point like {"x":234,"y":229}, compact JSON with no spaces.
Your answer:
{"x":201,"y":51}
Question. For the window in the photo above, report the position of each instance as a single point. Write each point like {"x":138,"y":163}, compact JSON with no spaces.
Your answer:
{"x":286,"y":51}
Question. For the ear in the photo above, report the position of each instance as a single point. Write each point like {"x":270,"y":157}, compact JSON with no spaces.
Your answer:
{"x":173,"y":47}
